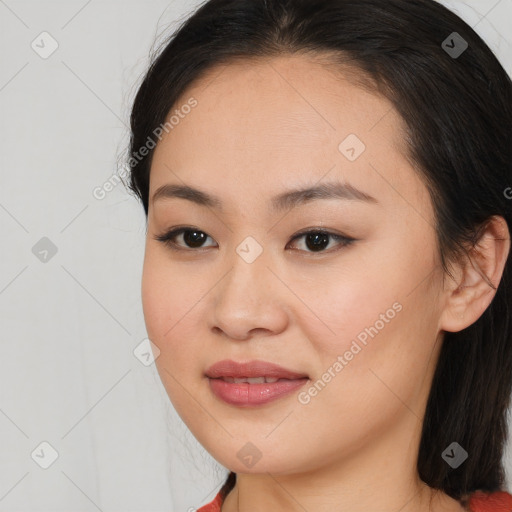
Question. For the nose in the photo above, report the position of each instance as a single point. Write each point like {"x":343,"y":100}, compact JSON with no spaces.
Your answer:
{"x":250,"y":300}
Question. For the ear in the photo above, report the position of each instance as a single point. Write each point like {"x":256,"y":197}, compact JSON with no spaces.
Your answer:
{"x":476,"y":280}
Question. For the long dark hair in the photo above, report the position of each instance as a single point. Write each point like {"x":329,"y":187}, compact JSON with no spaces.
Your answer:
{"x":457,"y":106}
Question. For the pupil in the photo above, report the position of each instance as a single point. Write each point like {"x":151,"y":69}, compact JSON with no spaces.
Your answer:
{"x":317,"y":241}
{"x":195,"y":239}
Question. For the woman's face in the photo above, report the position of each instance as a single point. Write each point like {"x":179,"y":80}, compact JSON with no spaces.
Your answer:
{"x":361,"y":320}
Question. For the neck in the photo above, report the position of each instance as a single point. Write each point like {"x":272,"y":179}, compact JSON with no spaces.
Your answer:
{"x":380,"y":474}
{"x":275,"y":493}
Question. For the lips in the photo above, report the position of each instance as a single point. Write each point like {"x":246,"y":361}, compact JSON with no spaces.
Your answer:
{"x":228,"y":369}
{"x":252,"y":384}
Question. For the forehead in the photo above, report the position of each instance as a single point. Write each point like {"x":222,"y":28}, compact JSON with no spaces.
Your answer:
{"x":262,"y":124}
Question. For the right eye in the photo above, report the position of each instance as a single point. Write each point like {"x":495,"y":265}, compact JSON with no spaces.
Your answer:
{"x":192,"y":236}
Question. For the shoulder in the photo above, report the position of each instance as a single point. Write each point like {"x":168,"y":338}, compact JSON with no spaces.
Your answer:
{"x":500,"y":501}
{"x":214,"y":506}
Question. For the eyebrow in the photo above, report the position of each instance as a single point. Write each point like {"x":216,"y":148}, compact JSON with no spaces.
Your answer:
{"x":283,"y":201}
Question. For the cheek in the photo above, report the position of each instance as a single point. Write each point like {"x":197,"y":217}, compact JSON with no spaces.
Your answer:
{"x":165,"y":315}
{"x":376,"y":360}
{"x":380,"y":315}
{"x":348,"y":302}
{"x":155,"y":300}
{"x":167,"y":294}
{"x":171,"y":300}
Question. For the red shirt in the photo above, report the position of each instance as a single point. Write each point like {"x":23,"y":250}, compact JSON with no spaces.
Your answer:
{"x":478,"y":502}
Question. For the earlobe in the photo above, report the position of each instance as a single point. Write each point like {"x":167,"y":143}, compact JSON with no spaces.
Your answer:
{"x":478,"y":278}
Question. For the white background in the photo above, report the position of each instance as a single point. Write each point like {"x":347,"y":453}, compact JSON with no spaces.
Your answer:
{"x":69,"y":326}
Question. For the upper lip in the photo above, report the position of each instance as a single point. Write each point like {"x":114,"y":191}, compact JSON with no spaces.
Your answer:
{"x":256,"y":368}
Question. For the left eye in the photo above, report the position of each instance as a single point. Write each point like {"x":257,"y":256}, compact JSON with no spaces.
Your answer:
{"x":316,"y":240}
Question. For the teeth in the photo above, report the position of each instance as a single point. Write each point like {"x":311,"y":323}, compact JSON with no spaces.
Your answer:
{"x":250,"y":380}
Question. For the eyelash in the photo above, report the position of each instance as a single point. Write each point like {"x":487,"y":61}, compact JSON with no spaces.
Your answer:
{"x":167,"y":239}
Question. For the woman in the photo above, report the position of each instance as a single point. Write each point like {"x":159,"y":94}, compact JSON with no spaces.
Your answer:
{"x":327,"y":273}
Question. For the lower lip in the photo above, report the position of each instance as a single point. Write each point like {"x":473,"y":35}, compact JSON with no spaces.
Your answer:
{"x":247,"y":395}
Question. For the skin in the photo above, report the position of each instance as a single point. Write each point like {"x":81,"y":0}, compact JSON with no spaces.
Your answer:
{"x":262,"y":127}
